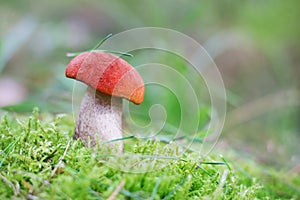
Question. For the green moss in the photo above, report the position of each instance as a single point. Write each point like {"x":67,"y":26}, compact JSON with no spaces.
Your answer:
{"x":39,"y":159}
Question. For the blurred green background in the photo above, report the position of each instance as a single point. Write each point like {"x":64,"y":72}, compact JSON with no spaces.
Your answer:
{"x":255,"y":44}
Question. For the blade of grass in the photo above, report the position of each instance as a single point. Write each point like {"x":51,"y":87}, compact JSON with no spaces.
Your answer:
{"x":121,"y":139}
{"x":95,"y":194}
{"x":154,"y":192}
{"x":118,"y":52}
{"x":226,"y":162}
{"x":140,"y":156}
{"x":205,"y":171}
{"x":176,"y":188}
{"x":131,"y":195}
{"x":102,"y":41}
{"x":109,"y":51}
{"x":9,"y":149}
{"x":213,"y":163}
{"x":94,"y":49}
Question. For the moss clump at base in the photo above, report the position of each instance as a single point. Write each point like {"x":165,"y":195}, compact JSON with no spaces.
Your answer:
{"x":40,"y":160}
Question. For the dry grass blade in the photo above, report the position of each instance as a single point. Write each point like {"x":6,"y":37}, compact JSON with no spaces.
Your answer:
{"x":10,"y":184}
{"x":222,"y":182}
{"x":117,"y":191}
{"x":60,"y":160}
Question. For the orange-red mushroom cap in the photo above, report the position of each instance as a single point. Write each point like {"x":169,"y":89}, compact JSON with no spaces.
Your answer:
{"x":108,"y":74}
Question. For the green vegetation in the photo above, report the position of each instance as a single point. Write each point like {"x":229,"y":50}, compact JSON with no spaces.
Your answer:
{"x":255,"y":45}
{"x":39,"y":159}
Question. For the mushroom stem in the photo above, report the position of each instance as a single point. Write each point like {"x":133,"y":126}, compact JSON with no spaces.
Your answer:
{"x":99,"y":119}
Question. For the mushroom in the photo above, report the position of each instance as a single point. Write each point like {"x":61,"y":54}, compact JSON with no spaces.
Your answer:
{"x":109,"y":79}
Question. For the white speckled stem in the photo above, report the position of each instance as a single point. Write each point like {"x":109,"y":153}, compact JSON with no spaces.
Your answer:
{"x":99,"y":119}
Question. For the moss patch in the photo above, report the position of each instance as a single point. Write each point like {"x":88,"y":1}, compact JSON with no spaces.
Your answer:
{"x":39,"y":159}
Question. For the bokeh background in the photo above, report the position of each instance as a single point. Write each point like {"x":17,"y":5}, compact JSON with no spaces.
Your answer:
{"x":255,"y":44}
